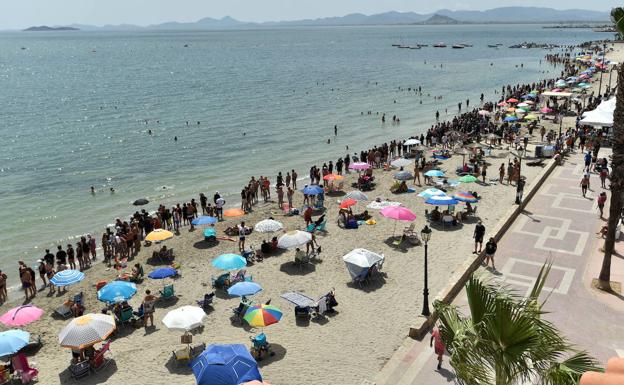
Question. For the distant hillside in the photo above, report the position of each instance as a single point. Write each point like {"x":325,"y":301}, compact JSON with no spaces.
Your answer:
{"x":444,"y":16}
{"x":440,"y":20}
{"x":46,"y":28}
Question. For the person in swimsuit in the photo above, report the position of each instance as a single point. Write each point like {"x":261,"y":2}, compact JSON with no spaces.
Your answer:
{"x":241,"y":236}
{"x":148,"y":308}
{"x":3,"y":289}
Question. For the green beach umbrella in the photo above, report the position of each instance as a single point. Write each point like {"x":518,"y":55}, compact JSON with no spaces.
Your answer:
{"x":467,"y":179}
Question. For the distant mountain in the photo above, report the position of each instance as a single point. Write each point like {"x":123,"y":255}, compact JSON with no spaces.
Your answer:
{"x":440,"y":20}
{"x":44,"y":28}
{"x":444,"y":16}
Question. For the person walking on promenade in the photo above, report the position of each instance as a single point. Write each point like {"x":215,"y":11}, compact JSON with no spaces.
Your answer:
{"x":602,"y":199}
{"x":479,"y":232}
{"x":439,"y":347}
{"x":501,"y":173}
{"x":490,"y":250}
{"x":604,"y":173}
{"x":584,"y":184}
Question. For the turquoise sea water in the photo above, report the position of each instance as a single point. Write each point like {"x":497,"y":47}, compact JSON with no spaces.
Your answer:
{"x":73,"y":107}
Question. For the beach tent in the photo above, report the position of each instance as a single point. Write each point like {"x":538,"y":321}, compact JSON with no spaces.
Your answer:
{"x":360,"y":260}
{"x":225,"y":365}
{"x":602,"y":116}
{"x":558,"y":94}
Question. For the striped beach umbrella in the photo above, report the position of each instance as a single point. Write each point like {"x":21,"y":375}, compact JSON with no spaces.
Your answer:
{"x":465,"y":197}
{"x":87,"y":330}
{"x":67,"y":277}
{"x":262,"y":315}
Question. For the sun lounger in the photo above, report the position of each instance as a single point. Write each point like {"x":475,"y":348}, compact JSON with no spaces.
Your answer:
{"x":100,"y":361}
{"x":23,"y":370}
{"x":126,"y":316}
{"x":65,"y":311}
{"x":398,"y":242}
{"x":79,"y":370}
{"x":182,"y":356}
{"x":206,"y":303}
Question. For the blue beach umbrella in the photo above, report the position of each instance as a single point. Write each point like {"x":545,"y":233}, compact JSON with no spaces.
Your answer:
{"x":67,"y":277}
{"x":430,"y":192}
{"x":229,"y":262}
{"x":432,"y":173}
{"x":117,"y":291}
{"x":313,"y":190}
{"x":441,"y":201}
{"x":11,"y":341}
{"x":511,"y":118}
{"x":244,"y":288}
{"x":205,"y":220}
{"x":225,"y":365}
{"x":163,"y":272}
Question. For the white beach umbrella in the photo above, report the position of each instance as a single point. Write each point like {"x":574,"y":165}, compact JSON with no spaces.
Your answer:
{"x":185,"y":318}
{"x":293,"y":239}
{"x":401,"y":162}
{"x":358,"y":259}
{"x":380,"y":205}
{"x":87,"y":330}
{"x":357,"y":195}
{"x":268,"y":226}
{"x":411,"y":142}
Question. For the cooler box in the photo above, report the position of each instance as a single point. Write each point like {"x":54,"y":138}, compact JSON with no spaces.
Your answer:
{"x":548,"y":151}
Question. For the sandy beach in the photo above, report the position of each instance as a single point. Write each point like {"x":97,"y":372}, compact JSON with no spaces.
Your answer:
{"x":347,"y":347}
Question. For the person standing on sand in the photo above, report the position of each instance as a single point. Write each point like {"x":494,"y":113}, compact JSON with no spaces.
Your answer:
{"x":479,"y":232}
{"x":417,"y":173}
{"x":484,"y":172}
{"x":3,"y":289}
{"x":294,"y":179}
{"x":289,"y":196}
{"x":148,"y":308}
{"x":203,"y":200}
{"x":439,"y":347}
{"x":287,"y":179}
{"x":219,"y":207}
{"x":42,"y":272}
{"x":241,"y":236}
{"x":280,"y":197}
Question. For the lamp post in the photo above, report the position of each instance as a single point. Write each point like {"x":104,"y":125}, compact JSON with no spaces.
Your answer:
{"x":519,"y":187}
{"x":425,"y":234}
{"x":604,"y":49}
{"x":610,"y":72}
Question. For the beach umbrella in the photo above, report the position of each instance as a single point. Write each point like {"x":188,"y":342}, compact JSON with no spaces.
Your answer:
{"x":432,"y":173}
{"x":205,"y":220}
{"x":511,"y":118}
{"x":419,"y":148}
{"x":467,"y":179}
{"x":484,"y":113}
{"x":294,"y":238}
{"x":360,"y":259}
{"x":348,"y":203}
{"x":398,"y":213}
{"x":502,"y":104}
{"x":185,"y":318}
{"x":531,"y":117}
{"x":117,"y":291}
{"x":357,"y":195}
{"x":528,"y":96}
{"x":511,"y":109}
{"x":529,"y":102}
{"x":255,"y":382}
{"x":261,"y":315}
{"x":546,"y":110}
{"x":163,"y":272}
{"x":159,"y":235}
{"x":233,"y":213}
{"x":140,"y":202}
{"x":401,"y":162}
{"x":473,"y":146}
{"x":441,"y":201}
{"x":225,"y":365}
{"x":512,"y":100}
{"x":333,"y":177}
{"x":465,"y":197}
{"x":523,"y":104}
{"x":313,"y":190}
{"x":359,"y":166}
{"x":493,"y":137}
{"x":411,"y":142}
{"x":11,"y":341}
{"x":229,"y":262}
{"x":268,"y":226}
{"x":87,"y":330}
{"x":67,"y":277}
{"x":245,"y":288}
{"x":431,"y":192}
{"x":403,"y":175}
{"x":21,"y":315}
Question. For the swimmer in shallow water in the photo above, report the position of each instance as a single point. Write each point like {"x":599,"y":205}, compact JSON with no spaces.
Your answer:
{"x":175,"y":138}
{"x":149,"y":132}
{"x":92,"y":190}
{"x":112,"y":190}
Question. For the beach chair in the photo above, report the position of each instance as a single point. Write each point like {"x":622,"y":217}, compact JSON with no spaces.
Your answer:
{"x":399,"y":241}
{"x":182,"y":356}
{"x":79,"y":370}
{"x":23,"y":371}
{"x":197,"y":350}
{"x":221,"y":282}
{"x":302,"y":259}
{"x":206,"y":303}
{"x":408,"y":231}
{"x":65,"y":311}
{"x":167,"y":292}
{"x":100,"y":361}
{"x":5,"y":377}
{"x":126,"y":316}
{"x":321,"y":227}
{"x":139,"y":277}
{"x":260,"y":347}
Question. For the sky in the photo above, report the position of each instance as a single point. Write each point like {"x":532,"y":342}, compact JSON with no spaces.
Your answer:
{"x":25,"y":13}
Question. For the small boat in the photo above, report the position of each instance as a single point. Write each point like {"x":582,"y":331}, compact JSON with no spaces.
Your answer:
{"x":439,"y":45}
{"x":416,"y":47}
{"x":185,"y":45}
{"x":423,"y":45}
{"x":396,"y":45}
{"x":458,"y":46}
{"x":466,"y":45}
{"x":403,"y":46}
{"x":493,"y":45}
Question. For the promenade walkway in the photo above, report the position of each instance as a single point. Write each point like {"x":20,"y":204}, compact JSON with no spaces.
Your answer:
{"x":561,"y":225}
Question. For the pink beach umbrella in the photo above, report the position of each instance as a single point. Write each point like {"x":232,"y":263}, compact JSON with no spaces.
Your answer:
{"x":21,"y":315}
{"x":546,"y":110}
{"x":484,"y":113}
{"x":398,"y":213}
{"x":502,"y":104}
{"x":359,"y":166}
{"x":256,"y":382}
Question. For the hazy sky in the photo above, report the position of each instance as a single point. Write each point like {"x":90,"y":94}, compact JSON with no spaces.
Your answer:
{"x":23,"y":13}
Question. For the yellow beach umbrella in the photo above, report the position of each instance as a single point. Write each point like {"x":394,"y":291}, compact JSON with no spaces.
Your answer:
{"x":159,"y":235}
{"x":530,"y":117}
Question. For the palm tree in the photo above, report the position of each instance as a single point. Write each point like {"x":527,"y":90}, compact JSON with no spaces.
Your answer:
{"x":505,"y":341}
{"x":617,"y":166}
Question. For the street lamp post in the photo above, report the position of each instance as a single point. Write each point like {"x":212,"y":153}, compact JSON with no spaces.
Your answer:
{"x":604,"y":49}
{"x":425,"y":234}
{"x":610,"y":72}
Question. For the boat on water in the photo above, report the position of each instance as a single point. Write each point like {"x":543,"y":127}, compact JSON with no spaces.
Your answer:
{"x":466,"y":45}
{"x":493,"y":45}
{"x":396,"y":45}
{"x":439,"y":45}
{"x":416,"y":47}
{"x":458,"y":46}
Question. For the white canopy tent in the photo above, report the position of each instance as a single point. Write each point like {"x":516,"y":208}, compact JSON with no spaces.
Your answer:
{"x":602,"y":116}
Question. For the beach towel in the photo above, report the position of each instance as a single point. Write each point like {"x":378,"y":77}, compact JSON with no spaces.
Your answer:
{"x":371,"y":222}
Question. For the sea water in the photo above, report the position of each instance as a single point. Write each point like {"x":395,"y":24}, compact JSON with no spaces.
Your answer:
{"x":76,"y":107}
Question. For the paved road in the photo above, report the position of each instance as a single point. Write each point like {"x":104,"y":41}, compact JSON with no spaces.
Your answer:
{"x":559,"y":224}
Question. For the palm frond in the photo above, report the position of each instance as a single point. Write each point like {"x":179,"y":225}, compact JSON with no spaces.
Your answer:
{"x":617,"y":16}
